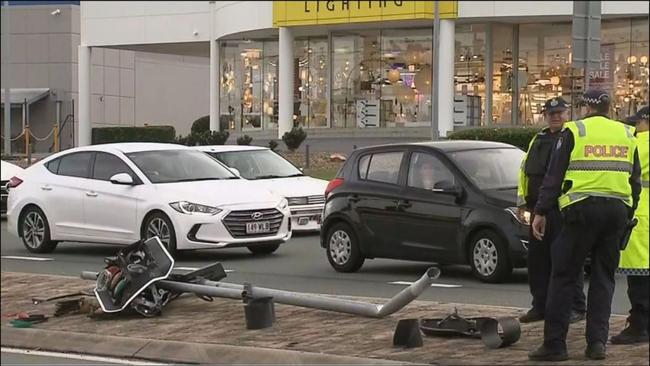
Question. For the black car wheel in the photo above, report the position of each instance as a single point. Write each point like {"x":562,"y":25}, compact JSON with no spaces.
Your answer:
{"x":35,"y":231}
{"x":158,"y":224}
{"x":263,"y":249}
{"x":342,"y":250}
{"x":489,"y":257}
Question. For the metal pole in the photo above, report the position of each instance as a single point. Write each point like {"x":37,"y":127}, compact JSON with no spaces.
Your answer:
{"x":489,"y":71}
{"x":515,"y":75}
{"x":435,"y":72}
{"x":58,"y":125}
{"x":588,"y":36}
{"x":234,"y":291}
{"x":5,"y":69}
{"x":214,"y":73}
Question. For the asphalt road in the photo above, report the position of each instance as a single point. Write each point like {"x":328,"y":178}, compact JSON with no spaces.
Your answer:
{"x":299,"y":265}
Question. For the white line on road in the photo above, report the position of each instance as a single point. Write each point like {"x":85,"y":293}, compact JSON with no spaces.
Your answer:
{"x":444,"y":285}
{"x":26,"y":258}
{"x":194,"y":269}
{"x":75,"y":356}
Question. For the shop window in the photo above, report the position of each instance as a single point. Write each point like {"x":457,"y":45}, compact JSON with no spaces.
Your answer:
{"x":310,"y":82}
{"x":270,"y":85}
{"x":469,"y":76}
{"x":624,"y":69}
{"x":502,"y":74}
{"x":545,"y":69}
{"x":241,"y":85}
{"x":356,"y":77}
{"x":381,"y":79}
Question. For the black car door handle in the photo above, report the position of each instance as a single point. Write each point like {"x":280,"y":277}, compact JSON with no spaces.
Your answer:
{"x":353,"y":199}
{"x":403,"y":204}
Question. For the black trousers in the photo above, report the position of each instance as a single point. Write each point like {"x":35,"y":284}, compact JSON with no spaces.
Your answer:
{"x":638,"y":291}
{"x":596,"y":226}
{"x":540,"y":264}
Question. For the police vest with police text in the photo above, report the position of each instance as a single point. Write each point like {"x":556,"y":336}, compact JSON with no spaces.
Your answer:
{"x":601,"y":161}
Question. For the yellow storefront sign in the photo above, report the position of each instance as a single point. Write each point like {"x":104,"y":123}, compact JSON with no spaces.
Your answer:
{"x":294,"y":13}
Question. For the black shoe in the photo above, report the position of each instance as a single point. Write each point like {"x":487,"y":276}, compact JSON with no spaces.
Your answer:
{"x":596,"y":351}
{"x":576,"y":316}
{"x":544,"y":354}
{"x":532,"y":315}
{"x":630,"y":335}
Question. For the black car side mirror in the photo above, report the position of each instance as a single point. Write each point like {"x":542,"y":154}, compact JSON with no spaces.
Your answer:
{"x":447,"y":187}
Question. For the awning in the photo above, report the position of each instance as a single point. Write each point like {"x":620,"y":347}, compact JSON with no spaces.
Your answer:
{"x":19,"y":95}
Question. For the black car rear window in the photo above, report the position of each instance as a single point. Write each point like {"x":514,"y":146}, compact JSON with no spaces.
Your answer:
{"x":381,"y":167}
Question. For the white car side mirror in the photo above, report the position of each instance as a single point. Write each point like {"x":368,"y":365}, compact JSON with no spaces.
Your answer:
{"x":235,"y":172}
{"x":122,"y":178}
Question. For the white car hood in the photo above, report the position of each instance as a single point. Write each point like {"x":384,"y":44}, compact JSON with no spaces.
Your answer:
{"x":9,"y":170}
{"x":220,"y":193}
{"x":294,"y":186}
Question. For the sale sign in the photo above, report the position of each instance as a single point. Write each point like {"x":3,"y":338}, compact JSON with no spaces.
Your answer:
{"x":603,"y":77}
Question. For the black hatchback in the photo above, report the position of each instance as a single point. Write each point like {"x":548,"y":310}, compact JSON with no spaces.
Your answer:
{"x":449,"y":202}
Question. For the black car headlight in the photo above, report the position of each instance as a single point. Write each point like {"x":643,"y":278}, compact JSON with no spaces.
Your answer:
{"x":523,"y":218}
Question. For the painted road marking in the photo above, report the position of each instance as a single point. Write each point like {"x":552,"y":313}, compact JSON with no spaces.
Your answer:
{"x":76,"y":356}
{"x":443,"y":285}
{"x":26,"y":258}
{"x":194,"y":269}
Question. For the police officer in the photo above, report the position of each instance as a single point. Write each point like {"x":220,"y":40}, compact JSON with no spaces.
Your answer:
{"x":594,"y":176}
{"x":531,"y":175}
{"x":634,"y":259}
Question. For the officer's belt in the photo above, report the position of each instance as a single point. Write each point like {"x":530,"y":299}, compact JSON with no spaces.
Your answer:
{"x":601,"y":165}
{"x":577,"y":196}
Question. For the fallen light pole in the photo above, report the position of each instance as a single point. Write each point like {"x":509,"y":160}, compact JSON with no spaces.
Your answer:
{"x":209,"y":288}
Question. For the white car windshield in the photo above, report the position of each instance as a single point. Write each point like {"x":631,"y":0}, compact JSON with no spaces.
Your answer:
{"x":171,"y":166}
{"x":258,"y":164}
{"x":490,"y":168}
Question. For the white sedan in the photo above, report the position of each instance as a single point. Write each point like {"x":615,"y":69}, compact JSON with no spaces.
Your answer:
{"x":119,"y":193}
{"x":268,"y":170}
{"x":7,"y":171}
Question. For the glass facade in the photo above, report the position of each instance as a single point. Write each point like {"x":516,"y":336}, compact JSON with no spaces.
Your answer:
{"x":382,"y":78}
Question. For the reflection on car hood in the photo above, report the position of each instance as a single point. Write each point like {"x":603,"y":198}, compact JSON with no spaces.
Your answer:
{"x":501,"y":197}
{"x":218,"y":192}
{"x":293,"y":186}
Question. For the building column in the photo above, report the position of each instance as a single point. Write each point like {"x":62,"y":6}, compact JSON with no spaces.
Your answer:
{"x":84,"y":133}
{"x":214,"y":85}
{"x":5,"y":70}
{"x":285,"y":79}
{"x":446,"y":74}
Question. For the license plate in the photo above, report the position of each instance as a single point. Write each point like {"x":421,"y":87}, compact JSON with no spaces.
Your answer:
{"x":258,"y":227}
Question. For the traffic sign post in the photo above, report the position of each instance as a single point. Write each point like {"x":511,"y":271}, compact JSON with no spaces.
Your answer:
{"x":586,"y":37}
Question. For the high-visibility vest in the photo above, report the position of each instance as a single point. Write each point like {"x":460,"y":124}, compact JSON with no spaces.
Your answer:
{"x":601,"y":161}
{"x":522,"y":186}
{"x":635,"y":255}
{"x":534,"y":163}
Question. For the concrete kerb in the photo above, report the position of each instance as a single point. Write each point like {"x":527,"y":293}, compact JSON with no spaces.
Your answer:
{"x":167,"y":351}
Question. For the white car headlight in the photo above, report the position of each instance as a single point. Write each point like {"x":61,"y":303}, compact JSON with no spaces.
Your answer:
{"x":283,"y":204}
{"x":194,"y":208}
{"x":524,"y":218}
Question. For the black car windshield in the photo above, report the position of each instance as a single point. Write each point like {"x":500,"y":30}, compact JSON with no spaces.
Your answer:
{"x":490,"y":168}
{"x":171,"y":166}
{"x":258,"y":164}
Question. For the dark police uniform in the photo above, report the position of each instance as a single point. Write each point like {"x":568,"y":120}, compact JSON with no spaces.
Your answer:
{"x":532,"y":174}
{"x":593,"y":223}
